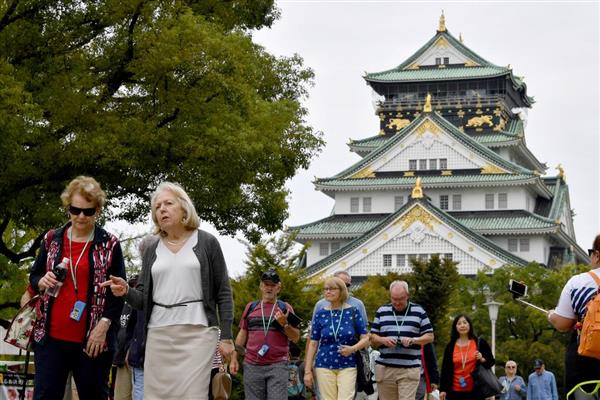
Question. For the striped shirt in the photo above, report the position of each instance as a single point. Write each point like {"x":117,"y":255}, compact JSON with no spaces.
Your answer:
{"x":576,"y":294}
{"x":412,"y":322}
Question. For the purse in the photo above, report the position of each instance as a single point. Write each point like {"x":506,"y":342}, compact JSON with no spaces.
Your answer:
{"x":221,"y":384}
{"x":363,"y":368}
{"x":20,"y":331}
{"x":485,"y":381}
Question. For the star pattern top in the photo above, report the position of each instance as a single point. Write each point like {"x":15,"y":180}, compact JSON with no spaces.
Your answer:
{"x":351,"y":326}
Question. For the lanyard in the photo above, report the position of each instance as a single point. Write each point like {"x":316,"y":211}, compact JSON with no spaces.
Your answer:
{"x":403,"y":318}
{"x":463,"y":356}
{"x":333,"y":330}
{"x":74,"y":267}
{"x":262,"y":312}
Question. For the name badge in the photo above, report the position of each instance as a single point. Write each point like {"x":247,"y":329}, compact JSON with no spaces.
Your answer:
{"x":263,"y":350}
{"x":462,"y":382}
{"x":77,"y":310}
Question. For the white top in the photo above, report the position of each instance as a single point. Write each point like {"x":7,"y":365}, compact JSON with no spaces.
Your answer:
{"x":176,"y":278}
{"x":576,"y":294}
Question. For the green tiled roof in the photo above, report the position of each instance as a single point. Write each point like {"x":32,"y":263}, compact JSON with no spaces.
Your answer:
{"x":446,"y":218}
{"x":339,"y":226}
{"x":436,"y":74}
{"x":500,"y":222}
{"x":428,"y":181}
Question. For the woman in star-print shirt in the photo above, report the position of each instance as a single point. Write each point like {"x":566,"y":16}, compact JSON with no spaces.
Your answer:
{"x":334,"y":332}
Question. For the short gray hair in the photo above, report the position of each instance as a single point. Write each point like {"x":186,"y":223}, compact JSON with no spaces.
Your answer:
{"x":402,"y":284}
{"x":338,"y":273}
{"x":190,"y":219}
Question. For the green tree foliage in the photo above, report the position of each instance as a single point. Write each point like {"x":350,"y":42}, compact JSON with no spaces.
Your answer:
{"x":281,"y":253}
{"x":522,"y":333}
{"x":136,"y":92}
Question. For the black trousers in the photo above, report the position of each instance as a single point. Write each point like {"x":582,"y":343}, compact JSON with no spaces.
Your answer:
{"x":578,"y":368}
{"x":56,"y":358}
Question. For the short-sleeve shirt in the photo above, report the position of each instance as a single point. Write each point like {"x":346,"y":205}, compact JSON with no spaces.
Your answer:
{"x":324,"y":324}
{"x":275,"y":338}
{"x":576,"y":294}
{"x":409,"y":323}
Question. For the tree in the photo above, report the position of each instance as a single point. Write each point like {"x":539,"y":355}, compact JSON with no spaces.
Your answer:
{"x":138,"y":92}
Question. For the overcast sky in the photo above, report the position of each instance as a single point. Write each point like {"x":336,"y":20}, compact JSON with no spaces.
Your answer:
{"x":553,"y":45}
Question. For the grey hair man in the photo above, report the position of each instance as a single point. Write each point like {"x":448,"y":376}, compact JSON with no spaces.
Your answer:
{"x":399,"y":328}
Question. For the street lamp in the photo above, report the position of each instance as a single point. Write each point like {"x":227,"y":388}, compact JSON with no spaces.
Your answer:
{"x":493,"y":308}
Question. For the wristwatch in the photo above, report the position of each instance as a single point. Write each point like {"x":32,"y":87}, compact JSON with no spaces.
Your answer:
{"x":108,"y":321}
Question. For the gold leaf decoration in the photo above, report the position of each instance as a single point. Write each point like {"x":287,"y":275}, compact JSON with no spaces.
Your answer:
{"x":492,"y":169}
{"x":417,"y":213}
{"x":428,"y":126}
{"x":471,"y":63}
{"x":501,"y":124}
{"x":364,"y":173}
{"x":477,"y":122}
{"x":399,"y":123}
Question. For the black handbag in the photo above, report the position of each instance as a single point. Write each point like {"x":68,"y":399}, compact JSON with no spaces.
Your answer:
{"x":364,"y":375}
{"x":485,"y":381}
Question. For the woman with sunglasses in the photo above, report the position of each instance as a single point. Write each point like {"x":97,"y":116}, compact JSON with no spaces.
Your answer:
{"x":569,"y":314}
{"x":513,"y":385}
{"x":79,"y":319}
{"x":334,"y":332}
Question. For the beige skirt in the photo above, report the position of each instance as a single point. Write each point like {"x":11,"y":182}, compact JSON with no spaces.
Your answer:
{"x":178,"y":362}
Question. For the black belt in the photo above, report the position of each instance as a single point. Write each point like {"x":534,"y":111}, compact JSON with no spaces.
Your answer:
{"x":182,"y":304}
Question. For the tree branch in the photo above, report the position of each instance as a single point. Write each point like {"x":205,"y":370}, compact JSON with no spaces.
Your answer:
{"x":11,"y":255}
{"x":168,"y":119}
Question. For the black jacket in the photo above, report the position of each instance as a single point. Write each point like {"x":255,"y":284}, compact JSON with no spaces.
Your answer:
{"x":448,"y":366}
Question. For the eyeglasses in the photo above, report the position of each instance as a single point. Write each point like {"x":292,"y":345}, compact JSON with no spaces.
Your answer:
{"x":330,"y":289}
{"x":348,"y":285}
{"x":591,"y":252}
{"x":88,"y":212}
{"x":511,"y":366}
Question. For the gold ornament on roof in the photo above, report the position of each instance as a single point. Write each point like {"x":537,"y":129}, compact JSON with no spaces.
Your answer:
{"x":413,"y":66}
{"x":427,"y":106}
{"x":399,"y":123}
{"x":417,"y":213}
{"x":417,"y":192}
{"x":427,"y":126}
{"x":471,"y":63}
{"x":442,"y":26}
{"x":501,"y":124}
{"x":364,"y":173}
{"x":561,"y":172}
{"x":477,"y":122}
{"x":492,"y":169}
{"x":441,"y":43}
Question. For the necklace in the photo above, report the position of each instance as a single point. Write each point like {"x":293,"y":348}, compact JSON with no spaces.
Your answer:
{"x":176,"y":242}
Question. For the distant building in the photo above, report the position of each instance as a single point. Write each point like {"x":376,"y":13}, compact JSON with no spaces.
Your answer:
{"x":455,"y":123}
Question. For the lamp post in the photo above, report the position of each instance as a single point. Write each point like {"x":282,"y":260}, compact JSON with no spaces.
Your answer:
{"x":493,"y":308}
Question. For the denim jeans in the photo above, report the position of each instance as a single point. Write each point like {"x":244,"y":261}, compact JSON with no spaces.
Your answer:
{"x":137,"y":381}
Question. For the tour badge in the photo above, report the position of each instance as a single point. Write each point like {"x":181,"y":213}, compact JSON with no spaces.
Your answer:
{"x":263,"y":350}
{"x":462,"y":382}
{"x":77,"y":310}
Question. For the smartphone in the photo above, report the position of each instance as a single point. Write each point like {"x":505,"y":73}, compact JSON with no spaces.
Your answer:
{"x":518,"y":289}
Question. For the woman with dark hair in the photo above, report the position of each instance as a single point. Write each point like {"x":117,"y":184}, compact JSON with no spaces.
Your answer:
{"x":569,"y":313}
{"x":461,"y":356}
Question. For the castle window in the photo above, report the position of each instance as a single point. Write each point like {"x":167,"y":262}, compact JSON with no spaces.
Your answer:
{"x":433,"y":163}
{"x":354,"y":204}
{"x":446,"y":60}
{"x":387,"y":260}
{"x":489,"y":201}
{"x":443,"y":163}
{"x":423,"y":164}
{"x":513,"y":244}
{"x":502,"y":200}
{"x":400,"y":260}
{"x":448,"y":256}
{"x":366,"y":204}
{"x":412,"y":165}
{"x":335,"y":246}
{"x":438,"y":60}
{"x":524,"y":244}
{"x":444,"y":201}
{"x":456,"y":202}
{"x":324,"y":249}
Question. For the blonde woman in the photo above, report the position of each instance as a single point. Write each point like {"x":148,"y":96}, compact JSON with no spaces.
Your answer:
{"x":185,"y":294}
{"x":334,"y":332}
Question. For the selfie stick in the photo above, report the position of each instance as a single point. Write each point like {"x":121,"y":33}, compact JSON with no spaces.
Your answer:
{"x":533,"y":305}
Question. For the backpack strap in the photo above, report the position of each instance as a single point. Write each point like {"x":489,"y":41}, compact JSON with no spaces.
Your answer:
{"x":280,"y":303}
{"x":595,"y":277}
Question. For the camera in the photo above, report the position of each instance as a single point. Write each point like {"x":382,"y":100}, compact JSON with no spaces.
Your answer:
{"x":518,"y":289}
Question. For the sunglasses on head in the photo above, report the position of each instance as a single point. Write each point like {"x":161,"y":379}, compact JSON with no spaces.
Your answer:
{"x":591,"y":252}
{"x":88,"y":212}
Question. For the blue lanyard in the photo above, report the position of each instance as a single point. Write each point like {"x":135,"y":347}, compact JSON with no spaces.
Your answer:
{"x":403,"y":318}
{"x":262,"y":312}
{"x":333,"y":330}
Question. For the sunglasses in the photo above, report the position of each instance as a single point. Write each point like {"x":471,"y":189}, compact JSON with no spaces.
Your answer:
{"x":591,"y":252}
{"x":88,"y":212}
{"x":348,"y":285}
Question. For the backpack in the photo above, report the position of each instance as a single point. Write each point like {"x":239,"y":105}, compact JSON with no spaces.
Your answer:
{"x":295,"y":385}
{"x":589,"y":337}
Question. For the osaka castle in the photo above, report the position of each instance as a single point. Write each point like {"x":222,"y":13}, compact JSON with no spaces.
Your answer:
{"x":448,"y":173}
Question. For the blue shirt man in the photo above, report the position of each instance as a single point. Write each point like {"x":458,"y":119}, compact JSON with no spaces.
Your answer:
{"x":542,"y":383}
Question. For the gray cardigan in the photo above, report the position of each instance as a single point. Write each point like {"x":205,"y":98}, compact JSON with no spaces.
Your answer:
{"x":216,"y":292}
